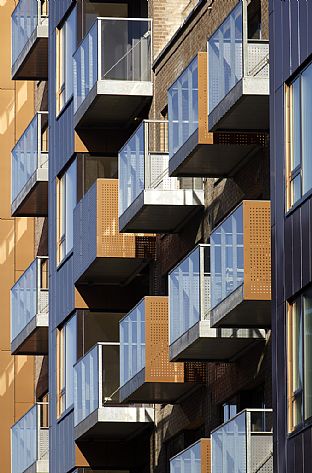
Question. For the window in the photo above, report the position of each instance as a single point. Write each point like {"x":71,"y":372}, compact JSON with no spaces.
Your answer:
{"x":66,"y":358}
{"x":299,"y":137}
{"x":66,"y":202}
{"x":300,"y":360}
{"x":66,"y":39}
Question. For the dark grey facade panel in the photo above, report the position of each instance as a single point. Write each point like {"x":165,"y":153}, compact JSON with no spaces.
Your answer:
{"x":290,"y":46}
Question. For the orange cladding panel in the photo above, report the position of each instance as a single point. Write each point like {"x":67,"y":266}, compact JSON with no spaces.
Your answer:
{"x":158,"y":368}
{"x":205,"y":450}
{"x":257,"y":250}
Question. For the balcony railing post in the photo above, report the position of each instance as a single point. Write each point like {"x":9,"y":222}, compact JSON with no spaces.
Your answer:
{"x":39,"y":136}
{"x":245,"y":39}
{"x":147,"y":163}
{"x":100,"y":375}
{"x":38,"y":282}
{"x":99,"y":49}
{"x":248,"y":441}
{"x":38,"y":421}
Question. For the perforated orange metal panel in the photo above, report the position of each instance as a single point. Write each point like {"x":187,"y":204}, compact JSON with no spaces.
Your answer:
{"x":158,"y":368}
{"x":111,"y":243}
{"x":257,"y":250}
{"x":203,"y":135}
{"x":205,"y":447}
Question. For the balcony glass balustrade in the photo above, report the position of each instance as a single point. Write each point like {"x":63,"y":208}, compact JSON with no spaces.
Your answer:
{"x":30,"y":169}
{"x":29,"y":23}
{"x":194,"y":459}
{"x":116,"y":51}
{"x":234,"y":57}
{"x":244,"y":443}
{"x":30,"y":441}
{"x":96,"y":397}
{"x":145,"y":188}
{"x":30,"y":309}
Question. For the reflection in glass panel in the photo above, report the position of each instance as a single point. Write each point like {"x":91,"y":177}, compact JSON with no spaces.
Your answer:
{"x":132,"y":343}
{"x":183,"y":107}
{"x":225,"y":57}
{"x":307,"y":311}
{"x":189,"y":461}
{"x":306,"y":101}
{"x":297,"y":374}
{"x":227,"y":257}
{"x":296,"y":189}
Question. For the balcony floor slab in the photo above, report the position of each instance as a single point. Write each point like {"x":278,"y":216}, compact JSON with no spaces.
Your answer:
{"x":114,"y":423}
{"x":245,"y":107}
{"x":236,"y":311}
{"x":201,"y":342}
{"x":32,"y":63}
{"x":111,"y":103}
{"x":33,"y":339}
{"x":32,"y":201}
{"x":161,"y":211}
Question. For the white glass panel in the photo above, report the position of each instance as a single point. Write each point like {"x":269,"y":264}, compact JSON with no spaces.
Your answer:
{"x":183,"y":107}
{"x":227,"y":257}
{"x":225,"y":50}
{"x":189,"y":461}
{"x":132,"y":343}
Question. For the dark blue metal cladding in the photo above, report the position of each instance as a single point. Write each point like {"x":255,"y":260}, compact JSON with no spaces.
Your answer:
{"x":61,"y":295}
{"x":290,"y":46}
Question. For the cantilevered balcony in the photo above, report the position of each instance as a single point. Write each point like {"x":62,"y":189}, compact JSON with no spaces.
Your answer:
{"x":244,"y":443}
{"x":194,"y":459}
{"x":30,"y":310}
{"x":150,"y":200}
{"x":98,"y":414}
{"x":29,"y":195}
{"x":101,"y":254}
{"x":193,"y":151}
{"x":191,"y":334}
{"x":238,"y":75}
{"x":30,"y":40}
{"x":112,"y":72}
{"x":146,"y":375}
{"x":241,"y":267}
{"x":30,"y":441}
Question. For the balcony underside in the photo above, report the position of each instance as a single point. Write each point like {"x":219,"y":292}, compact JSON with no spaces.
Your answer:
{"x":32,"y":201}
{"x":235,"y":311}
{"x":208,"y":160}
{"x":33,"y":339}
{"x":113,"y":103}
{"x":32,"y":63}
{"x":114,"y":424}
{"x":245,"y":107}
{"x":161,"y":211}
{"x":41,"y":466}
{"x":201,"y":342}
{"x":110,"y":270}
{"x":138,"y":390}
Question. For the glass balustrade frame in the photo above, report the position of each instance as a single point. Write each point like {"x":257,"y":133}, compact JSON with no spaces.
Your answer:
{"x":29,"y":452}
{"x":37,"y":294}
{"x":89,"y":76}
{"x":28,"y":156}
{"x":193,"y":459}
{"x":233,"y":442}
{"x":250,"y":57}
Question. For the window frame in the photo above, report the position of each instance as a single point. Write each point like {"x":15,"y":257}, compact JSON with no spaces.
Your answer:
{"x":64,"y":52}
{"x":298,"y":171}
{"x":62,"y":358}
{"x":296,"y":308}
{"x":63,"y":213}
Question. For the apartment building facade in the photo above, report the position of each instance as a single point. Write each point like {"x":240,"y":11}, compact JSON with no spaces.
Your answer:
{"x":150,"y":190}
{"x":291,"y":194}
